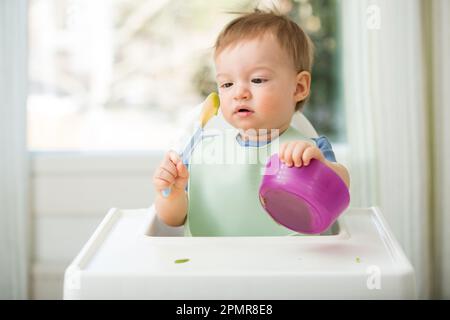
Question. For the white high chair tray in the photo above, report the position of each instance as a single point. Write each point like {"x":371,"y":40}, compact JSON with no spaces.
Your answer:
{"x":132,"y":255}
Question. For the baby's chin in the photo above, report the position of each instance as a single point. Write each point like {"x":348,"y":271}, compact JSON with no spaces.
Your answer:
{"x":252,"y":127}
{"x":258,"y":131}
{"x":256,"y":128}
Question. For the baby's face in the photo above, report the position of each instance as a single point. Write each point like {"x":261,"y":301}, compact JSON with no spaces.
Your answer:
{"x":257,"y":84}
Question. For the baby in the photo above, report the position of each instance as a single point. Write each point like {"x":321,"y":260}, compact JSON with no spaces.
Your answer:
{"x":263,"y":66}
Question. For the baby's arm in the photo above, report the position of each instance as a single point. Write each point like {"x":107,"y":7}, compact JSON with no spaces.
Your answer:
{"x":172,"y":173}
{"x":300,"y":153}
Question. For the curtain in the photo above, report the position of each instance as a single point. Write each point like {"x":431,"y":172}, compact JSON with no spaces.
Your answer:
{"x":13,"y":153}
{"x":437,"y":42}
{"x":388,"y":121}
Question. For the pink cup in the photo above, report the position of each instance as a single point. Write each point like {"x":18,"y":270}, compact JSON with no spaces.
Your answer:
{"x":307,"y":200}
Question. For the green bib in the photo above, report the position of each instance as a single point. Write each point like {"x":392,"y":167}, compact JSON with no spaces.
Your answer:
{"x":224,"y":180}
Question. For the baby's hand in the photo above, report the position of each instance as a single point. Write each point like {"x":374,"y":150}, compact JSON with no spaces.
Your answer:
{"x":299,"y":153}
{"x":171,"y":173}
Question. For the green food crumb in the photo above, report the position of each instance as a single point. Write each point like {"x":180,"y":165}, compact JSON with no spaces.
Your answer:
{"x":358,"y":260}
{"x":181,"y":260}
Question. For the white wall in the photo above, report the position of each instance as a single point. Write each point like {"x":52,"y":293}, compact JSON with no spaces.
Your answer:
{"x":70,"y":194}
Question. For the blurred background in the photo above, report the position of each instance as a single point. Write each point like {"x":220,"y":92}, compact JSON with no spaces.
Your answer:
{"x":91,"y":94}
{"x":118,"y":74}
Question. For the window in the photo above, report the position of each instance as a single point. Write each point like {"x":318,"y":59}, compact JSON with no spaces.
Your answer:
{"x":121,"y":74}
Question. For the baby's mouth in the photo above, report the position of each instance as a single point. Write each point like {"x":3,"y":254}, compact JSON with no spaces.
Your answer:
{"x":243,"y":111}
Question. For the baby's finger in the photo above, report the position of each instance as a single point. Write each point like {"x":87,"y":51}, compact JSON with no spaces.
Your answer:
{"x":310,"y":153}
{"x":182,"y":170}
{"x":183,"y":176}
{"x":162,"y":179}
{"x":174,"y":157}
{"x":163,"y":174}
{"x":297,"y":153}
{"x":169,"y":164}
{"x":281,"y":150}
{"x":288,"y":154}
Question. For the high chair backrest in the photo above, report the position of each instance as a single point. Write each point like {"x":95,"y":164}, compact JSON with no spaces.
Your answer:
{"x":302,"y":124}
{"x":299,"y":121}
{"x":190,"y":119}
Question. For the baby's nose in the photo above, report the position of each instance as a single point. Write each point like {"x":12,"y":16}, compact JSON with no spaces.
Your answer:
{"x":241,"y":92}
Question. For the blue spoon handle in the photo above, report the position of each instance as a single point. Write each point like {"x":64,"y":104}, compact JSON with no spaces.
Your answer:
{"x":186,"y":153}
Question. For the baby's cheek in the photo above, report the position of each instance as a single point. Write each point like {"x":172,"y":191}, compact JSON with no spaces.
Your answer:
{"x":226,"y":107}
{"x":267,"y":108}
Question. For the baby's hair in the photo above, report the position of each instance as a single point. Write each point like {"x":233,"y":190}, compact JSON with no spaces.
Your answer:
{"x":290,"y":37}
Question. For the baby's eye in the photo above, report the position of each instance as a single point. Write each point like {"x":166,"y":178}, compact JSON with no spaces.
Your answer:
{"x":259,"y":80}
{"x":226,"y":85}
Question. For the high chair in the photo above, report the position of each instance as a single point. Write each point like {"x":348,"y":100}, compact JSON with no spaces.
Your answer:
{"x":133,"y":255}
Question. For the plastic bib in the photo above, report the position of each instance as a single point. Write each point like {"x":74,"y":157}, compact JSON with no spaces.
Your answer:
{"x":223,"y":187}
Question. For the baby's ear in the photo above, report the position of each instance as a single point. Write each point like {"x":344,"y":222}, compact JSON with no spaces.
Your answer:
{"x":303,"y":86}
